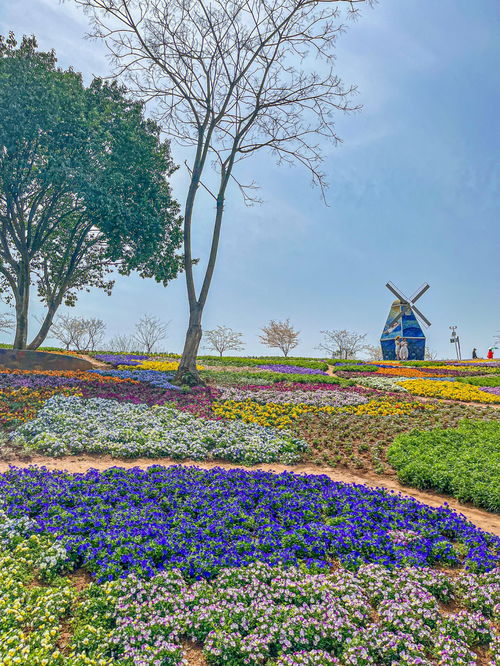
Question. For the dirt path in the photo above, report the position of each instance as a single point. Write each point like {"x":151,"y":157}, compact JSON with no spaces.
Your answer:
{"x":486,"y":521}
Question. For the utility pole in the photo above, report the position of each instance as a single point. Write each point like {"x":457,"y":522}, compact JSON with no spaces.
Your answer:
{"x":455,"y":339}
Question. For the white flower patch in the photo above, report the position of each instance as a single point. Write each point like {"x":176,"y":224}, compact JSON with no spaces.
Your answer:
{"x":69,"y":425}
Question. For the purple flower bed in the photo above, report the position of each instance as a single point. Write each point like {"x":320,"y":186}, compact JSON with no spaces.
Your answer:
{"x":121,"y":359}
{"x":8,"y":380}
{"x":491,"y":389}
{"x":140,"y":521}
{"x":292,"y":369}
{"x":153,"y":377}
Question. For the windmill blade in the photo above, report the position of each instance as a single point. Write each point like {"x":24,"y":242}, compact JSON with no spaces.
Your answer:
{"x":398,"y":294}
{"x":420,"y":315}
{"x":420,"y":291}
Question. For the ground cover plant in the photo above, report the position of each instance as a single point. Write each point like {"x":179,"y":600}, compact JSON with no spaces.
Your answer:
{"x":360,"y":442}
{"x":462,"y":461}
{"x":67,"y":425}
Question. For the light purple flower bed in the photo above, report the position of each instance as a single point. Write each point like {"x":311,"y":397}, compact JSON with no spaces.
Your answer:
{"x":301,"y":394}
{"x":292,"y":369}
{"x":248,"y":615}
{"x":491,"y":389}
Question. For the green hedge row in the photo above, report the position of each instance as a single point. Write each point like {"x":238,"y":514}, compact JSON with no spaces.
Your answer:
{"x":355,"y":367}
{"x":463,"y":462}
{"x":490,"y":380}
{"x":252,"y":361}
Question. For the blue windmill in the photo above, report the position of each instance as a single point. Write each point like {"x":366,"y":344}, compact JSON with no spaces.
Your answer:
{"x":403,"y":323}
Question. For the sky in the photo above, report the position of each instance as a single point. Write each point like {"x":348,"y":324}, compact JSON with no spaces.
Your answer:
{"x":414,"y":193}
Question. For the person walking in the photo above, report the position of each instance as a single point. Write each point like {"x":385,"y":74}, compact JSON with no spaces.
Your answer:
{"x":403,"y":350}
{"x":474,"y":353}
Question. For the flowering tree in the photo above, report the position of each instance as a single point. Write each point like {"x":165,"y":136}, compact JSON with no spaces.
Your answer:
{"x":222,"y":339}
{"x":280,"y":334}
{"x":230,"y":78}
{"x":341,"y":343}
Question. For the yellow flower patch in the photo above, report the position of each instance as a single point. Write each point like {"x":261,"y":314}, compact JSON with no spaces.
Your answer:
{"x":162,"y":366}
{"x":284,"y":414}
{"x":448,"y":390}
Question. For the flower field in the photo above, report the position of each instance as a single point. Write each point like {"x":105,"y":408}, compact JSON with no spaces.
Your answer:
{"x":163,"y":566}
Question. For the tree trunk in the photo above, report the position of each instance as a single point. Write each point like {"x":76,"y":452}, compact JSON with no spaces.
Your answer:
{"x":22,"y":302}
{"x":44,"y":328}
{"x":187,"y":372}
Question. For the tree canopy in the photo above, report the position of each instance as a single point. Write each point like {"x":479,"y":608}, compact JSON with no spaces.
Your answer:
{"x":83,"y":186}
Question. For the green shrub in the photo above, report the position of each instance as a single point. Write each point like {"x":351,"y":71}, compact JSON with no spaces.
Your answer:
{"x":490,"y":380}
{"x":356,"y":367}
{"x":251,"y":361}
{"x":463,"y":462}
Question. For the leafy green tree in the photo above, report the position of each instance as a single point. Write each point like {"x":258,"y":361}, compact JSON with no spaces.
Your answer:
{"x":83,"y":186}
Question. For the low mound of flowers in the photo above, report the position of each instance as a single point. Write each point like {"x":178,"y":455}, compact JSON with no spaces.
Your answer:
{"x":67,"y":425}
{"x":449,"y":391}
{"x":463,"y":461}
{"x":139,"y":521}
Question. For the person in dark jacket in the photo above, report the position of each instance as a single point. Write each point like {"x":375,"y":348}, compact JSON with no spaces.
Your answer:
{"x":474,"y":353}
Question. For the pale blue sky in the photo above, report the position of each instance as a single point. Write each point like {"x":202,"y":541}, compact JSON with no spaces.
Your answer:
{"x":413,"y":198}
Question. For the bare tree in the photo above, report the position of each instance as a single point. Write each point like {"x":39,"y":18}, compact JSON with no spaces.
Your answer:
{"x":121,"y":343}
{"x":95,"y":330}
{"x":280,"y":334}
{"x":149,"y":331}
{"x":374,"y":352}
{"x":78,"y":333}
{"x":6,"y":322}
{"x":430,"y":354}
{"x":230,"y":77}
{"x":223,"y":339}
{"x":342,"y":344}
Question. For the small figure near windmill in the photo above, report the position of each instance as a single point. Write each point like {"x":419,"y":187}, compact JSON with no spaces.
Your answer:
{"x":403,"y":337}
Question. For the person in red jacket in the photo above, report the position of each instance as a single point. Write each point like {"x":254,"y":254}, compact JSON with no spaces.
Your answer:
{"x":490,"y":353}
